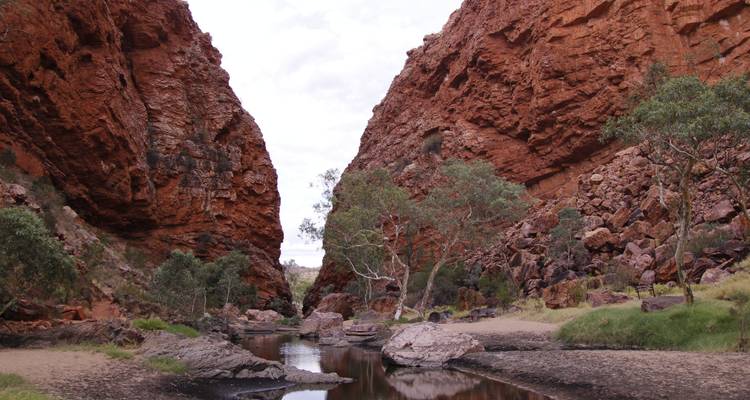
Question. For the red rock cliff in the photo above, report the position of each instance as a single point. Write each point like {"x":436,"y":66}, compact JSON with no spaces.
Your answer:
{"x":527,"y":84}
{"x":124,"y":104}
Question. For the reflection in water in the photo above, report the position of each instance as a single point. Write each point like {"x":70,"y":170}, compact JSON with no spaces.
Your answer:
{"x":372,"y":380}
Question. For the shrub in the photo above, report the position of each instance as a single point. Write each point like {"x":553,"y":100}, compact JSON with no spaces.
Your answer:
{"x":7,"y":158}
{"x":31,"y":260}
{"x":10,"y":380}
{"x":155,"y":324}
{"x":707,"y":238}
{"x":167,"y":365}
{"x":291,"y":321}
{"x":135,"y":257}
{"x":498,"y":289}
{"x":564,"y":244}
{"x":620,"y":276}
{"x":432,"y":144}
{"x":446,"y":285}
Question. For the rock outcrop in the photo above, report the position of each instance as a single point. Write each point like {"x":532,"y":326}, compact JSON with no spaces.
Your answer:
{"x":428,"y":345}
{"x":527,"y":86}
{"x":125,"y":106}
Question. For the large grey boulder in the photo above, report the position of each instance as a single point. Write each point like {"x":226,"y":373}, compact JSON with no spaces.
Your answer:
{"x":428,"y":345}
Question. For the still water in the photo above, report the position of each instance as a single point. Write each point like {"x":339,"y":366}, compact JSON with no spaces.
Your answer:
{"x":372,"y":379}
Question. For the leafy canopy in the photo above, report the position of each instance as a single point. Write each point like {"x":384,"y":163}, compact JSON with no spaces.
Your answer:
{"x":30,"y":258}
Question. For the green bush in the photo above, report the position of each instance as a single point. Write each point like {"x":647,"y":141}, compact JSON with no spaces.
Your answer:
{"x":152,"y":324}
{"x":167,"y":365}
{"x":446,"y":285}
{"x":31,"y":260}
{"x":706,"y":326}
{"x":155,"y":324}
{"x":10,"y":380}
{"x":498,"y":289}
{"x":291,"y":321}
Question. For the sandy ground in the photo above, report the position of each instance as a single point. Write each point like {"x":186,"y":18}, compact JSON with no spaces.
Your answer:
{"x":81,"y":375}
{"x":619,"y":375}
{"x":501,"y":326}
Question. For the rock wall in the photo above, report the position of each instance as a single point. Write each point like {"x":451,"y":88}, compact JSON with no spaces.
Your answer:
{"x":527,"y":85}
{"x":124,"y":104}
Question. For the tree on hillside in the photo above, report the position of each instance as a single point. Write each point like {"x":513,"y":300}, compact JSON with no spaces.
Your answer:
{"x":371,"y":230}
{"x":31,"y":260}
{"x":564,"y":244}
{"x":681,"y":125}
{"x":314,"y":228}
{"x":224,"y":282}
{"x":464,"y":212}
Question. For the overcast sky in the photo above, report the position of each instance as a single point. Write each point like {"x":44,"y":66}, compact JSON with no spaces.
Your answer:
{"x":310,"y":73}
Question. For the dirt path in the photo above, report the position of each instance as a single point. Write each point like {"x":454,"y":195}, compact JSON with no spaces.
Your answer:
{"x":81,"y":375}
{"x":501,"y":326}
{"x":619,"y":375}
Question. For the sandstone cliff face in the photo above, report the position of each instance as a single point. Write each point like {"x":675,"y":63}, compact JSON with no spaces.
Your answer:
{"x":125,"y":106}
{"x":528,"y":84}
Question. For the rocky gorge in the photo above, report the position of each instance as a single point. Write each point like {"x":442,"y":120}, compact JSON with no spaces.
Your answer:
{"x":528,"y":86}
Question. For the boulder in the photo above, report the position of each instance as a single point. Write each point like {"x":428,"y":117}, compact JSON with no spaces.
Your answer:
{"x":652,"y":304}
{"x":603,"y":297}
{"x":440,"y":317}
{"x":211,"y":358}
{"x":321,"y":324}
{"x":722,"y":211}
{"x":479,"y":313}
{"x":564,"y":294}
{"x":648,"y":277}
{"x":340,"y":303}
{"x":598,"y":238}
{"x":428,"y":345}
{"x":619,"y":218}
{"x":74,"y":332}
{"x":714,"y":275}
{"x":384,"y":305}
{"x":266,"y":316}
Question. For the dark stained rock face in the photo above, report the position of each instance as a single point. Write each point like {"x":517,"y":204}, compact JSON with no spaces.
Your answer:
{"x":125,"y":106}
{"x":527,"y":86}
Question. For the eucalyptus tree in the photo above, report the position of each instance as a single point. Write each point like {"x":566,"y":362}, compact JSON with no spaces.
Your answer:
{"x":465,"y":211}
{"x":686,"y":122}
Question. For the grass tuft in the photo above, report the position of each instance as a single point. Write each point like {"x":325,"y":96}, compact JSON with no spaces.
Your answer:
{"x":155,"y":324}
{"x":14,"y":387}
{"x":706,"y":326}
{"x":167,"y":365}
{"x":112,"y":351}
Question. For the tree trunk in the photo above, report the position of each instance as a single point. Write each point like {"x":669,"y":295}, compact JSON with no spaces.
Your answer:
{"x":7,"y":306}
{"x":684,"y":231}
{"x":402,"y":295}
{"x":428,"y":288}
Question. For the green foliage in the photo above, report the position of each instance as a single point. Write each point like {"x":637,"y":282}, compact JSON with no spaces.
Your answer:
{"x":498,"y":289}
{"x":31,"y":260}
{"x":155,"y":324}
{"x":135,"y":257}
{"x":167,"y":365}
{"x":314,"y":228}
{"x":684,"y":113}
{"x":225,"y":284}
{"x":49,"y":199}
{"x":14,"y":387}
{"x":374,"y":224}
{"x":110,"y":350}
{"x":10,"y":380}
{"x":151,"y":324}
{"x":706,"y":326}
{"x":447,"y":282}
{"x":471,"y":200}
{"x":564,"y":244}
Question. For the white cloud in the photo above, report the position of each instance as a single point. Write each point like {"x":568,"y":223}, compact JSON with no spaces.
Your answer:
{"x":310,"y":73}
